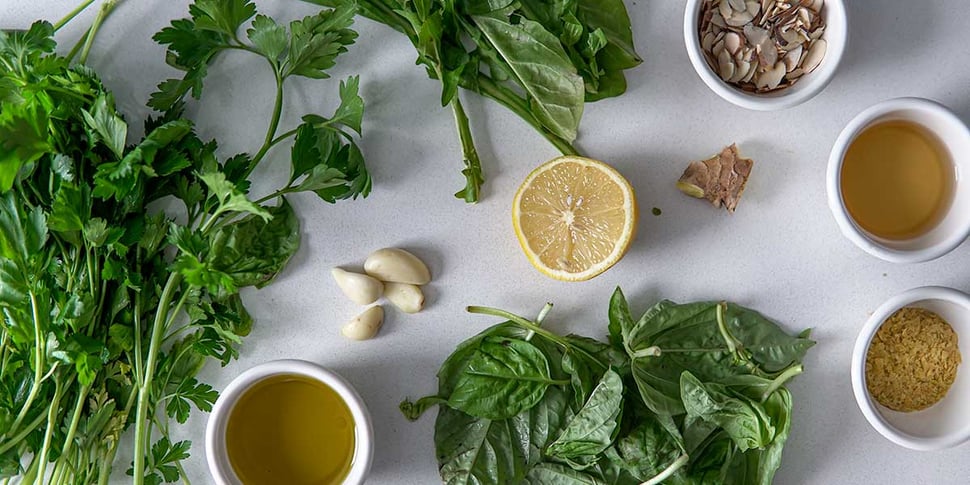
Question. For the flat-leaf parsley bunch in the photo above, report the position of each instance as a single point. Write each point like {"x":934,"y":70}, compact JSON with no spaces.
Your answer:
{"x":108,"y":308}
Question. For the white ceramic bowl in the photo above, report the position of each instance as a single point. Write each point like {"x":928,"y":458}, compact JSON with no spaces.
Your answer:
{"x":945,"y":424}
{"x":215,"y":433}
{"x":836,"y":35}
{"x":954,"y":228}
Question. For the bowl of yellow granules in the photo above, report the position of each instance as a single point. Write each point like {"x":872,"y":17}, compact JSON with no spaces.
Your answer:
{"x":906,"y":368}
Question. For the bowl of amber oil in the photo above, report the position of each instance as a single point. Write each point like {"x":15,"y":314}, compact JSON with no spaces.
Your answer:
{"x":289,"y":422}
{"x":895,"y":180}
{"x":907,"y":373}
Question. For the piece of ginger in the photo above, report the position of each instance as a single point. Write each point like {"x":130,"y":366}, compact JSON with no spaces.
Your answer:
{"x":719,"y":179}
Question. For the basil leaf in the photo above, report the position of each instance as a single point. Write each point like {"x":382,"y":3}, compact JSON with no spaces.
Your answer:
{"x":481,"y":451}
{"x":502,"y":378}
{"x":594,"y":427}
{"x":746,"y":423}
{"x":547,"y":473}
{"x":556,"y":91}
{"x":648,"y":450}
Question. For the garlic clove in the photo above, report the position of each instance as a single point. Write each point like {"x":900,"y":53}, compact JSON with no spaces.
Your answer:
{"x":407,"y":298}
{"x":360,"y":288}
{"x":366,"y":325}
{"x":398,"y":266}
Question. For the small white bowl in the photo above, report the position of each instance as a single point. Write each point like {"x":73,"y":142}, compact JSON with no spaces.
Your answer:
{"x":954,"y":228}
{"x":945,"y":424}
{"x":215,"y":433}
{"x":836,"y":35}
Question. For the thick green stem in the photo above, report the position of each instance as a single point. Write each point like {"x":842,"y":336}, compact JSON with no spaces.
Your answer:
{"x":39,"y":345}
{"x":73,"y":13}
{"x":274,"y":124}
{"x":782,"y":378}
{"x":532,"y":327}
{"x":52,"y":423}
{"x":145,"y":387}
{"x":17,"y":438}
{"x":670,"y":470}
{"x":103,"y":13}
{"x":75,"y":419}
{"x":510,"y":100}
{"x":473,"y":164}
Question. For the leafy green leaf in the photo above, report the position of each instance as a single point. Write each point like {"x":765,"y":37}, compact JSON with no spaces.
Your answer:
{"x":229,"y":197}
{"x":547,"y":473}
{"x":317,"y":40}
{"x":351,"y":109}
{"x":190,"y":390}
{"x":252,"y":251}
{"x":106,"y":125}
{"x":268,"y":37}
{"x":223,"y":16}
{"x":537,"y":58}
{"x":502,"y":378}
{"x":747,"y":424}
{"x":23,"y":139}
{"x":594,"y":427}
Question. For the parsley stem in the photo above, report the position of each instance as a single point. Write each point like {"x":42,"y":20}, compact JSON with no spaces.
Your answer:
{"x":75,"y":419}
{"x":145,"y":386}
{"x":39,"y":344}
{"x":106,"y":9}
{"x":16,"y":439}
{"x":73,"y":13}
{"x":273,"y":124}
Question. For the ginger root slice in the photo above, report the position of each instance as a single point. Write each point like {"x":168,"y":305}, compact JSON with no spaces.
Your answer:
{"x":719,"y":179}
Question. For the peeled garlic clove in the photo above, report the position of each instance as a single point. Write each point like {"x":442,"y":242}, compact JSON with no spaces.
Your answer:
{"x":366,"y":325}
{"x":407,"y":298}
{"x":360,"y":288}
{"x":398,"y":266}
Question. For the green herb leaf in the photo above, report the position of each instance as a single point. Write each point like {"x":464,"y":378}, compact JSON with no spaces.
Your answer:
{"x":268,"y":37}
{"x":537,"y":58}
{"x":229,"y":197}
{"x":545,"y":473}
{"x":317,"y":40}
{"x":594,"y":427}
{"x":747,"y":424}
{"x":252,"y":250}
{"x":502,"y":378}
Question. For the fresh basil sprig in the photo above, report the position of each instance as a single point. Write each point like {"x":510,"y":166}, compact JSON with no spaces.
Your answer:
{"x":687,"y":394}
{"x":540,"y":59}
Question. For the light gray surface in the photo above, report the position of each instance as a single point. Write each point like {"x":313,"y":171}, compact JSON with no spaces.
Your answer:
{"x":781,"y":253}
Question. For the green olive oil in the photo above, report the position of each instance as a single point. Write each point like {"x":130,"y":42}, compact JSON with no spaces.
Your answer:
{"x":290,"y":429}
{"x":897,"y":180}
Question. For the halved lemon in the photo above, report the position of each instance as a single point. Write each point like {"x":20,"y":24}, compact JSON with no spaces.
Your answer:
{"x":574,"y":217}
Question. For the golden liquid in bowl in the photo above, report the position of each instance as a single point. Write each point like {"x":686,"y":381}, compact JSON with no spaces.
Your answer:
{"x":897,"y":180}
{"x":290,"y":429}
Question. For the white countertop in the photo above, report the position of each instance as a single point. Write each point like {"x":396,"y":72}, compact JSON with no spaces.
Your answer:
{"x":781,"y":253}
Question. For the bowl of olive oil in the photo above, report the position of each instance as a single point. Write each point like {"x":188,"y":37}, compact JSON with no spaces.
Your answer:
{"x":894,"y":180}
{"x":292,"y":422}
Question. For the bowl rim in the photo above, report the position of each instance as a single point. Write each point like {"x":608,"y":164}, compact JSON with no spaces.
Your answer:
{"x":784,"y":100}
{"x":848,"y":227}
{"x":859,"y":389}
{"x":218,"y":462}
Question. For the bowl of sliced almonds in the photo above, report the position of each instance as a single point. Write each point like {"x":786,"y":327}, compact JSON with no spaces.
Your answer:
{"x":765,"y":54}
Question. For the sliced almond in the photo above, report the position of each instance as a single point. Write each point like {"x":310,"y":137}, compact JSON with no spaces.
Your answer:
{"x":725,"y":65}
{"x":792,"y":58}
{"x":770,"y":79}
{"x":732,"y":42}
{"x":814,"y":55}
